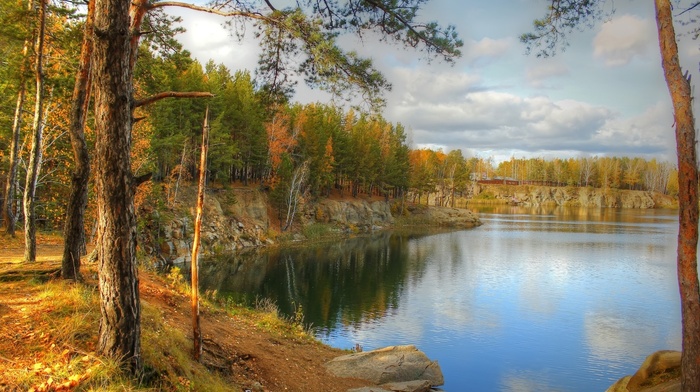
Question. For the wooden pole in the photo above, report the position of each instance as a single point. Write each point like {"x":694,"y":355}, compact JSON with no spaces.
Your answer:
{"x":196,"y":331}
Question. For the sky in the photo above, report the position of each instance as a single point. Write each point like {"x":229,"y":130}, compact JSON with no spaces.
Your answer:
{"x":604,"y":95}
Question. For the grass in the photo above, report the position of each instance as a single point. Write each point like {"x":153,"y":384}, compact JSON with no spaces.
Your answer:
{"x":57,"y":324}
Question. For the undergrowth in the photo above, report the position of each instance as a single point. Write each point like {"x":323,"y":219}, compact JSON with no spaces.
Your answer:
{"x":58,"y":331}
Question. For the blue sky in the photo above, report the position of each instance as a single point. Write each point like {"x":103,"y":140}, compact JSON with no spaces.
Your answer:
{"x":604,"y":95}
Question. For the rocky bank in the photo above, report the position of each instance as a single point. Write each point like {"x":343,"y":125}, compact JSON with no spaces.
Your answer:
{"x":239,"y":218}
{"x":530,"y":195}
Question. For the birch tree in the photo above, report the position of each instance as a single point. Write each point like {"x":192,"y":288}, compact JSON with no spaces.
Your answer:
{"x":37,"y":132}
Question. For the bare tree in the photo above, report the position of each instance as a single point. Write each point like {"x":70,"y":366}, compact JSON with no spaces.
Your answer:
{"x":293,"y":198}
{"x":196,"y":330}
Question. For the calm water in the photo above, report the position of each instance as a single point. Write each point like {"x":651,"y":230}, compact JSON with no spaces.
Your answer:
{"x":534,"y":300}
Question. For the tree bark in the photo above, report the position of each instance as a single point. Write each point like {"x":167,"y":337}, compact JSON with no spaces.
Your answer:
{"x":74,"y":230}
{"x":120,"y":324}
{"x":37,"y":132}
{"x":196,"y":330}
{"x":679,"y":88}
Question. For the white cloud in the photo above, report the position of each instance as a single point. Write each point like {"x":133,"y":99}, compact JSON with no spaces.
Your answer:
{"x":419,"y":84}
{"x":648,"y":134}
{"x":544,"y":70}
{"x":624,"y":38}
{"x":486,"y":50}
{"x":206,"y":38}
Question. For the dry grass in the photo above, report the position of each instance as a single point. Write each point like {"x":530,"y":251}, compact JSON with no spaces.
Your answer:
{"x":50,"y":327}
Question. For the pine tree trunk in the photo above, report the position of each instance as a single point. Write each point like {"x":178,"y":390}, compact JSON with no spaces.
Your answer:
{"x":35,"y":155}
{"x":120,"y":324}
{"x":680,"y":90}
{"x":74,"y":230}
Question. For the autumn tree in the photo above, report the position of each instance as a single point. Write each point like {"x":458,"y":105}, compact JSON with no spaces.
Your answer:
{"x":550,"y":32}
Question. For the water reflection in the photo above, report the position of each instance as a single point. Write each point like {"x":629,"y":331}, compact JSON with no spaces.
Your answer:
{"x":349,"y":282}
{"x":535,"y":299}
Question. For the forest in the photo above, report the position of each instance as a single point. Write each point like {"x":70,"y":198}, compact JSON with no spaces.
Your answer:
{"x":258,"y":136}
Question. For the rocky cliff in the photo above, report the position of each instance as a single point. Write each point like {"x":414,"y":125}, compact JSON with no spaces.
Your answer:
{"x":528,"y":195}
{"x":239,"y":218}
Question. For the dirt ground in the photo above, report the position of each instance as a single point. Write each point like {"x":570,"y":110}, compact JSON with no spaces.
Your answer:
{"x":249,"y":356}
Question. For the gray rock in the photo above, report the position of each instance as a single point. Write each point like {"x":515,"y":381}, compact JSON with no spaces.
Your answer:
{"x":394,"y":364}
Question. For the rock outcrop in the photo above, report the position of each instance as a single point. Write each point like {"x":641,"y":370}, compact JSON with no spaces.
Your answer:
{"x":233,"y":219}
{"x":362,"y":214}
{"x":239,"y":218}
{"x":443,"y":216}
{"x":530,"y":195}
{"x":659,"y":372}
{"x":394,"y":368}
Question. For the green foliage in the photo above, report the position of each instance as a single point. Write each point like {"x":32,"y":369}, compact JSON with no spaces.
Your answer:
{"x":562,"y":18}
{"x":310,"y":32}
{"x":316,"y":231}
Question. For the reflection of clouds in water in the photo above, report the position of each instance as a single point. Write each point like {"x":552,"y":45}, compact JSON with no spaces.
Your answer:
{"x":460,"y":316}
{"x":673,"y":339}
{"x":525,"y":382}
{"x":617,"y":338}
{"x":543,"y":285}
{"x":405,"y":329}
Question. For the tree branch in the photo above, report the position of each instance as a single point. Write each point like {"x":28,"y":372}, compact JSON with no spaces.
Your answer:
{"x":690,"y":8}
{"x":403,"y":21}
{"x":270,"y":5}
{"x":171,"y":94}
{"x":252,"y":15}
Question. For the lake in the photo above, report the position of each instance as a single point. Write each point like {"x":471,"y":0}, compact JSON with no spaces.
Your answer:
{"x":547,"y":299}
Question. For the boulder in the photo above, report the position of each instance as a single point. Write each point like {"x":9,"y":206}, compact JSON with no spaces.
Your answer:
{"x":620,"y":385}
{"x":657,"y":366}
{"x":660,"y":372}
{"x":394,"y":364}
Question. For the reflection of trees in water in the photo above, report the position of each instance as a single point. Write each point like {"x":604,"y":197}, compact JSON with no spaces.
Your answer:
{"x":349,"y":281}
{"x":579,"y":219}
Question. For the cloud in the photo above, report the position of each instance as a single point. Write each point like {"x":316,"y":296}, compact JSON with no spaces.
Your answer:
{"x":207,"y":38}
{"x":486,"y":50}
{"x":420,"y":84}
{"x":624,"y":38}
{"x":647,"y":134}
{"x":539,"y":74}
{"x":488,"y":119}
